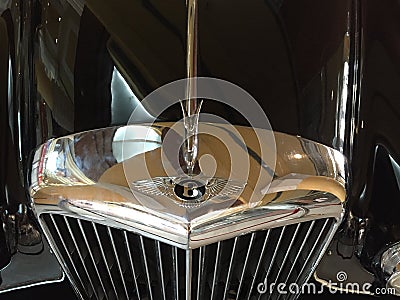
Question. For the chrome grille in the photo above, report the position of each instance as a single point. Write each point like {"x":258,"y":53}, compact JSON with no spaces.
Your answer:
{"x":109,"y":263}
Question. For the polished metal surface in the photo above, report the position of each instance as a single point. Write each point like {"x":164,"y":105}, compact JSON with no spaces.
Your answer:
{"x":199,"y":273}
{"x":394,"y":283}
{"x":78,"y":178}
{"x":391,"y":259}
{"x":390,"y":265}
{"x":191,"y":105}
{"x":188,"y":192}
{"x":308,"y":186}
{"x":338,"y":88}
{"x":309,"y":183}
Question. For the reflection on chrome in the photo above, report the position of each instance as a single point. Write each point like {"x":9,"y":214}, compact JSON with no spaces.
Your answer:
{"x":189,"y":193}
{"x":82,"y":175}
{"x":124,"y":101}
{"x":140,"y":138}
{"x":390,"y":265}
{"x":79,"y":188}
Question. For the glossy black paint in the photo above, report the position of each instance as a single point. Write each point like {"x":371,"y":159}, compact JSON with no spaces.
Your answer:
{"x":374,"y":192}
{"x":263,"y":52}
{"x":325,"y":70}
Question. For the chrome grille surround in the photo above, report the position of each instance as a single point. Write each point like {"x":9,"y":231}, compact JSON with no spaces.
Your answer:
{"x":201,"y":251}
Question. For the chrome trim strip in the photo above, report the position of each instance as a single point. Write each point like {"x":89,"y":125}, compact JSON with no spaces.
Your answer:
{"x":259,"y":218}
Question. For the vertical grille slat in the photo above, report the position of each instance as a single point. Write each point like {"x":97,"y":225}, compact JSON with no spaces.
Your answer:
{"x":161,"y":270}
{"x":298,"y":254}
{"x":146,"y":267}
{"x":92,"y":258}
{"x":258,"y":263}
{"x":228,"y":277}
{"x":105,"y":260}
{"x":286,"y":256}
{"x":80,"y":256}
{"x":312,"y":250}
{"x":128,"y":249}
{"x":117,"y":260}
{"x":188,"y":286}
{"x":202,"y":251}
{"x":110,"y":263}
{"x":71,"y":261}
{"x":175,"y":267}
{"x":245,"y":264}
{"x":215,"y":270}
{"x":273,"y":257}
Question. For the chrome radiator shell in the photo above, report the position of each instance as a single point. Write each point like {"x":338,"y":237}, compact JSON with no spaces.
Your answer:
{"x":308,"y":188}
